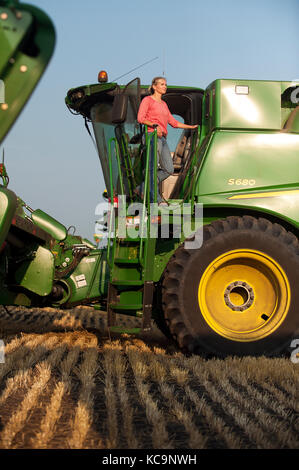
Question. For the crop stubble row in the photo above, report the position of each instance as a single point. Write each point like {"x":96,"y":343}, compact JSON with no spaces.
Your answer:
{"x":75,"y":389}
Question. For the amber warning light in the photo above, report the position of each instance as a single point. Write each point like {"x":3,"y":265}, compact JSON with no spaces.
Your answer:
{"x":103,"y":76}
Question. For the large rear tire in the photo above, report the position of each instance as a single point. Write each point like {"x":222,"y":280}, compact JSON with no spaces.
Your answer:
{"x":236,"y":295}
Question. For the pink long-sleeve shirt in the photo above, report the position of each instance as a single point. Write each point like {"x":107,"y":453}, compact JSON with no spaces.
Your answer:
{"x":157,"y":113}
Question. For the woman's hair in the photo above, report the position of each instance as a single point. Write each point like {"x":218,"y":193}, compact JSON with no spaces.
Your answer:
{"x":154,"y":82}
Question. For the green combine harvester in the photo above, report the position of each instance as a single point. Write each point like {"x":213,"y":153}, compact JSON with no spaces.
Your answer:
{"x":224,"y":281}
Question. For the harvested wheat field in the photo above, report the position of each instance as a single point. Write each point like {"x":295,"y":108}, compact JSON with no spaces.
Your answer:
{"x":67,"y":384}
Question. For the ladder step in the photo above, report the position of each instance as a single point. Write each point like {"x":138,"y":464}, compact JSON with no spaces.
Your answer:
{"x":134,"y":282}
{"x":126,"y":306}
{"x":126,"y":261}
{"x":123,"y":329}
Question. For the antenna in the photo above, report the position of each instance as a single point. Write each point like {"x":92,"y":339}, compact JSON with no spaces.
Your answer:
{"x":139,"y":66}
{"x":3,"y":157}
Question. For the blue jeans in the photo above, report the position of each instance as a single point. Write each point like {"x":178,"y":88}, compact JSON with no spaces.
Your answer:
{"x":164,"y":162}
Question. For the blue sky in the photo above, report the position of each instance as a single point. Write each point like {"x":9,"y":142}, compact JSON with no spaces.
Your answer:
{"x":50,"y":158}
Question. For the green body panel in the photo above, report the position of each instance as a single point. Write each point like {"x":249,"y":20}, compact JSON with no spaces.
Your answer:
{"x":27,"y":39}
{"x":8,"y":204}
{"x":259,"y":109}
{"x":50,"y":225}
{"x":260,"y":160}
{"x":63,"y":250}
{"x":89,"y":281}
{"x":37,"y":275}
{"x":240,"y":163}
{"x":164,"y":251}
{"x":12,"y":33}
{"x":281,"y":204}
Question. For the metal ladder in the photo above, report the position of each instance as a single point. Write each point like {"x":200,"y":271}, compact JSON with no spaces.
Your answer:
{"x":131,"y":285}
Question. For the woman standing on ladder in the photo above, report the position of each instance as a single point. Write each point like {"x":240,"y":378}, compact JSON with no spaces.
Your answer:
{"x":154,"y":113}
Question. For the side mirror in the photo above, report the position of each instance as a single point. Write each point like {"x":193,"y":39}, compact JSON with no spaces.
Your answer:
{"x":119,"y":110}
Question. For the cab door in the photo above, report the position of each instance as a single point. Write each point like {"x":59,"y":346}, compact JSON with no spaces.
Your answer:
{"x":128,"y":136}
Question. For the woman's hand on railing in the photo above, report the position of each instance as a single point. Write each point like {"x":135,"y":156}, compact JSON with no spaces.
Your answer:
{"x":154,"y":126}
{"x":159,"y":132}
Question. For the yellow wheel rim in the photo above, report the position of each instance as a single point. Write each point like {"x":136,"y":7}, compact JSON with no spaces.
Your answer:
{"x":244,"y":295}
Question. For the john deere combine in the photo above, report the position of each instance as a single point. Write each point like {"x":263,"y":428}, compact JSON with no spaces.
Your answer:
{"x":228,"y":285}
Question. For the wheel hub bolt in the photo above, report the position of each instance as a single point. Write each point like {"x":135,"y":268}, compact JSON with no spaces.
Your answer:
{"x":241,"y":291}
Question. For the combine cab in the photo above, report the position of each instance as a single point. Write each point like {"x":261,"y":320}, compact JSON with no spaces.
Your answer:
{"x":217,"y":269}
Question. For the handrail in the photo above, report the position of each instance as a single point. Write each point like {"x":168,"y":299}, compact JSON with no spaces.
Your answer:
{"x":146,"y":198}
{"x":119,"y":166}
{"x":110,"y":168}
{"x":128,"y":166}
{"x":148,"y":138}
{"x":113,"y":139}
{"x":144,"y":222}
